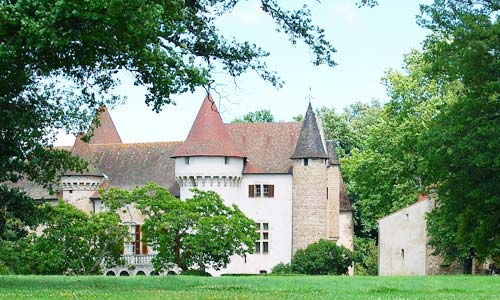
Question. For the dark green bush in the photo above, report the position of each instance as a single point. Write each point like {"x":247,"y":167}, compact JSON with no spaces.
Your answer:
{"x":322,"y":258}
{"x":196,"y":273}
{"x":4,"y":270}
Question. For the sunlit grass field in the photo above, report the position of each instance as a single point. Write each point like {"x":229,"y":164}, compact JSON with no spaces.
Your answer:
{"x":255,"y":287}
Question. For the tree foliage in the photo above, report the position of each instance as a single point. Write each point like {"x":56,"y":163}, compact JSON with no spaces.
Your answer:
{"x":69,"y":242}
{"x":462,"y":141}
{"x":60,"y":60}
{"x":349,"y":128}
{"x":259,"y":116}
{"x":365,"y":256}
{"x":17,"y":213}
{"x":389,"y":169}
{"x":200,"y":232}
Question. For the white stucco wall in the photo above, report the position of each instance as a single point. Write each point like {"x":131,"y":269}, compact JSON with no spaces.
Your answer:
{"x":77,"y":190}
{"x":277,"y":212}
{"x":210,"y":173}
{"x":403,"y":230}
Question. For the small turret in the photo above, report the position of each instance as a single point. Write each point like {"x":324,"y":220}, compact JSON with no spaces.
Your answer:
{"x":77,"y":188}
{"x":209,"y":159}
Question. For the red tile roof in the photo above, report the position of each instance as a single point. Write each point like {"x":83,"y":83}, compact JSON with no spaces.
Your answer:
{"x":208,"y":135}
{"x":267,"y":146}
{"x":82,"y":150}
{"x":130,"y":165}
{"x":106,"y":132}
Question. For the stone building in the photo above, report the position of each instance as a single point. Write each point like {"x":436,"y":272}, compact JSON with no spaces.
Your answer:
{"x":285,"y":176}
{"x":404,"y":248}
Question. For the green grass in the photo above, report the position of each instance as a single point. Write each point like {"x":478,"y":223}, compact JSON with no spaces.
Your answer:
{"x":257,"y":287}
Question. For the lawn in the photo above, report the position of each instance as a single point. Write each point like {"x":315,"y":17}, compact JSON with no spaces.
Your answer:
{"x":259,"y":287}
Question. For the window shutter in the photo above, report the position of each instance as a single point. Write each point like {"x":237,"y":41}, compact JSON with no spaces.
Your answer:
{"x":137,"y":239}
{"x":271,"y":190}
{"x":251,"y":191}
{"x":144,"y":244}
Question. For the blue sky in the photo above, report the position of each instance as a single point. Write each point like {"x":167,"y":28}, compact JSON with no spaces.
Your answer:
{"x":369,"y":41}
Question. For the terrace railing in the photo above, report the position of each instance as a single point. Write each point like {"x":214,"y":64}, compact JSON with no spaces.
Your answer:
{"x":139,"y":259}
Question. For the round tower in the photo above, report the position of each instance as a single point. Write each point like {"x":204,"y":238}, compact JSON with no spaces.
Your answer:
{"x":77,"y":188}
{"x":209,"y":159}
{"x":310,"y":213}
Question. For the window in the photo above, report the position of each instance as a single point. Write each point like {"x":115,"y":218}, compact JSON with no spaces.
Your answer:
{"x":130,"y":243}
{"x":133,"y":244}
{"x":262,"y":245}
{"x":186,"y":160}
{"x":306,"y":162}
{"x":226,"y":160}
{"x":268,"y":190}
{"x":257,"y":190}
{"x":403,"y":253}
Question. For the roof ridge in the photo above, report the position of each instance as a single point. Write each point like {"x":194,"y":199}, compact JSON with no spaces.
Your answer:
{"x":137,"y":143}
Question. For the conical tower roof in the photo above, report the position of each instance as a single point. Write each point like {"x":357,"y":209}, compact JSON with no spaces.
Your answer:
{"x":104,"y":128}
{"x":332,"y":153}
{"x":82,"y":150}
{"x":208,"y":135}
{"x":309,"y":144}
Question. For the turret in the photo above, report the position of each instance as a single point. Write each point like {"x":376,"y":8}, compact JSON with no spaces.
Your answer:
{"x":77,"y":188}
{"x":310,"y":211}
{"x":209,"y":159}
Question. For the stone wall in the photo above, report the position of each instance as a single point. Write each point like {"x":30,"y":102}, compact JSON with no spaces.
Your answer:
{"x":435,"y":264}
{"x":309,"y":207}
{"x":333,"y":200}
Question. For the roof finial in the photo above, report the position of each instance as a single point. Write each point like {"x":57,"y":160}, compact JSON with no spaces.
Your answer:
{"x":310,"y":97}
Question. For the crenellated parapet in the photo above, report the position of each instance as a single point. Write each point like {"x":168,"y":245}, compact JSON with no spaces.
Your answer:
{"x":209,"y":181}
{"x":80,"y":183}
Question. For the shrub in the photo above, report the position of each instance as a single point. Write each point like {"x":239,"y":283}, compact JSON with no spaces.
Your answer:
{"x":196,"y":273}
{"x":365,"y":256}
{"x":322,"y":258}
{"x":281,"y":269}
{"x":3,"y":269}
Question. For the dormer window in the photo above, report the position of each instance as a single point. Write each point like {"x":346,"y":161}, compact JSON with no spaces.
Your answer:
{"x":306,"y":162}
{"x":186,"y":160}
{"x":226,"y":160}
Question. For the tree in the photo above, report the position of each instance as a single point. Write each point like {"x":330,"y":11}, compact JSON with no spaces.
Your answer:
{"x":61,"y":60}
{"x":322,"y":258}
{"x":365,"y":256}
{"x":462,"y":141}
{"x":259,"y":116}
{"x":298,"y":118}
{"x":17,"y":213}
{"x":200,"y":232}
{"x":70,"y":242}
{"x":389,"y":170}
{"x":349,"y":129}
